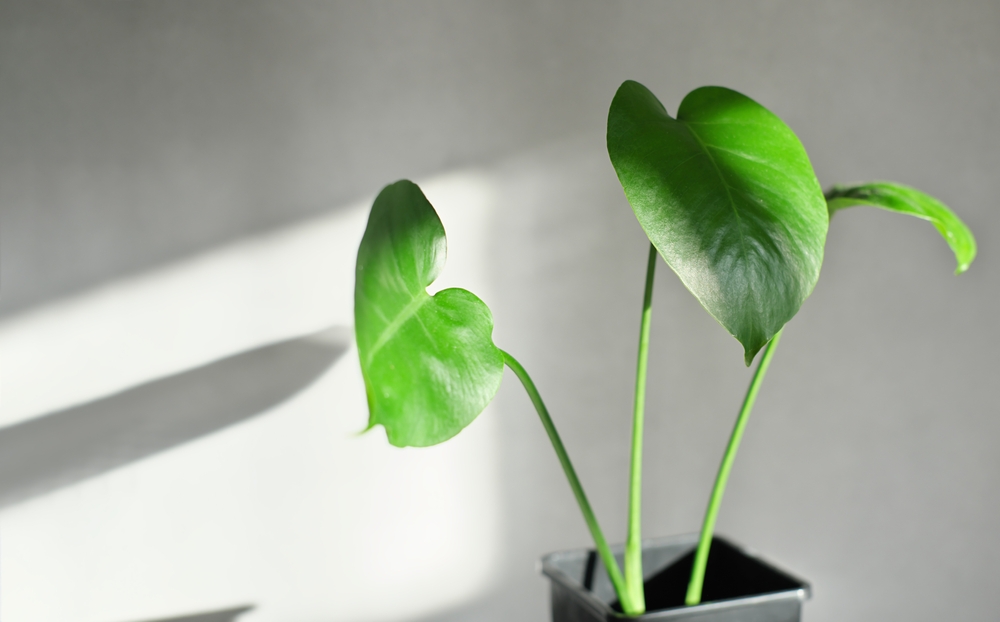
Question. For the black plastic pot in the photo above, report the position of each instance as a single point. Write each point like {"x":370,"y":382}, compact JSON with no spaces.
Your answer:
{"x":739,"y":586}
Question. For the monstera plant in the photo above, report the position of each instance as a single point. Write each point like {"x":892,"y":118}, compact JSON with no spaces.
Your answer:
{"x":727,"y":197}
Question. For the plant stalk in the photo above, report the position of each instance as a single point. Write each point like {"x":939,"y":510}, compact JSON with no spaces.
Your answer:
{"x":633,"y":542}
{"x":697,"y":582}
{"x":610,"y":563}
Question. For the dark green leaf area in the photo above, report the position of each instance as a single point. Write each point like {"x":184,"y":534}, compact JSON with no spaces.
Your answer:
{"x":906,"y":200}
{"x":727,"y":195}
{"x":429,"y":362}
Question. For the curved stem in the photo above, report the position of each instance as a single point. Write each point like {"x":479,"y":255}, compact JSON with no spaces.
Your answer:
{"x":708,"y":527}
{"x":633,"y":543}
{"x":614,"y":572}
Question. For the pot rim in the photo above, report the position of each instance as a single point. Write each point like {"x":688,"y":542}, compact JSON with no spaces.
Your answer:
{"x":552,"y":571}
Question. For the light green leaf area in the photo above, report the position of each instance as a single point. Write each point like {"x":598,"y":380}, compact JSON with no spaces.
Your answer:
{"x":906,"y":200}
{"x":429,"y":362}
{"x":727,"y":195}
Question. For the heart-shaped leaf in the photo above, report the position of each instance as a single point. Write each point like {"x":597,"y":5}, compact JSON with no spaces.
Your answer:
{"x":429,"y":363}
{"x":906,"y":200}
{"x":727,"y":195}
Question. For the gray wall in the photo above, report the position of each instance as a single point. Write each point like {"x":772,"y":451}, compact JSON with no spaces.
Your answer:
{"x":136,"y":133}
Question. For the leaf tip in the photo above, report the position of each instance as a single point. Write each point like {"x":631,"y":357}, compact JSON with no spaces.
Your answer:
{"x":371,"y":424}
{"x":749,"y":353}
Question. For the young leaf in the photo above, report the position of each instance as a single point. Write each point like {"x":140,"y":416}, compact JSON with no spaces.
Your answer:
{"x":906,"y":200}
{"x":429,"y":363}
{"x":727,"y":195}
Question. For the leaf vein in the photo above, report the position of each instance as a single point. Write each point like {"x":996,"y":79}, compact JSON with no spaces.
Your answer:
{"x":401,"y":318}
{"x":761,"y":162}
{"x":729,"y":194}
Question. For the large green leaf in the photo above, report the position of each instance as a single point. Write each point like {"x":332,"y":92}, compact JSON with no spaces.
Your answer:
{"x":429,"y":363}
{"x":906,"y":200}
{"x":727,"y":195}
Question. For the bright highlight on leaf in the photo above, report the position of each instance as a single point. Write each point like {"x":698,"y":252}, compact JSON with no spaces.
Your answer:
{"x":906,"y":200}
{"x":727,"y":195}
{"x":429,"y":362}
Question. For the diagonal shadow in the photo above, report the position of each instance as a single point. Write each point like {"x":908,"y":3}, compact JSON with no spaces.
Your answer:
{"x":224,"y":615}
{"x":65,"y":447}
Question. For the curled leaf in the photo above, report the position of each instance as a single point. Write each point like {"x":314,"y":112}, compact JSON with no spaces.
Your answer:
{"x":905,"y":200}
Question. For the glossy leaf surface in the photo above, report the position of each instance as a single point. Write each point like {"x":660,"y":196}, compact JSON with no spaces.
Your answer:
{"x":727,"y":195}
{"x":429,"y":362}
{"x":906,"y":200}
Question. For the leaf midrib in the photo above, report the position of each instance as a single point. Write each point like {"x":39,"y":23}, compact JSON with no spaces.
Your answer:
{"x":725,"y":184}
{"x":397,"y":322}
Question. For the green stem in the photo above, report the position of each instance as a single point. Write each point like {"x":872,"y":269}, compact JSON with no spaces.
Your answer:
{"x":633,"y":543}
{"x":708,"y":527}
{"x":614,"y":572}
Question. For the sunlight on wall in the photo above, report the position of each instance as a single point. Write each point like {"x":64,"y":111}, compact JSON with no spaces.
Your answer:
{"x":291,"y":512}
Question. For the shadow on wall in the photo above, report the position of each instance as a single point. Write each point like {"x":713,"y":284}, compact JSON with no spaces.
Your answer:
{"x":224,"y":615}
{"x":65,"y":447}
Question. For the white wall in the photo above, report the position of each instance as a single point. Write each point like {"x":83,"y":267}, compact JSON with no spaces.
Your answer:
{"x":290,"y":511}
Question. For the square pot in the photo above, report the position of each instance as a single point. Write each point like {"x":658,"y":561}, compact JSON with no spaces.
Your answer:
{"x":739,"y":586}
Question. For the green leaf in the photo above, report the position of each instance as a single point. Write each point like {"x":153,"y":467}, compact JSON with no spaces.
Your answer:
{"x":727,"y":195}
{"x":906,"y":200}
{"x":429,"y":363}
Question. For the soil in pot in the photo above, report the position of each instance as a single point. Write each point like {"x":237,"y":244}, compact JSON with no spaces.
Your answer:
{"x":730,"y":574}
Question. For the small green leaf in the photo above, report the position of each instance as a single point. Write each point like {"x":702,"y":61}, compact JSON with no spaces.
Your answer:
{"x":906,"y":200}
{"x":429,"y":363}
{"x":727,"y":195}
